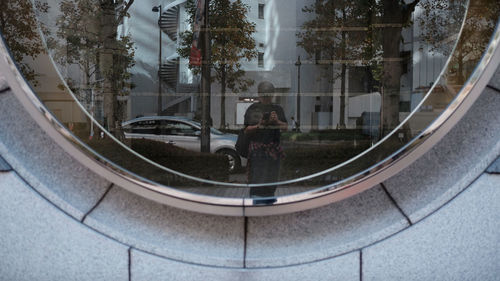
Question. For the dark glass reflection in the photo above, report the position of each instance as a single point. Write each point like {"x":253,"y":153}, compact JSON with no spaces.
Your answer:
{"x":345,"y":75}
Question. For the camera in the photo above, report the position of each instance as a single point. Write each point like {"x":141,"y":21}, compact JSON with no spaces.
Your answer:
{"x":266,"y":116}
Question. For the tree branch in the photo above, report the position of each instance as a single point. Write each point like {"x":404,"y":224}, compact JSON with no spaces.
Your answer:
{"x":124,"y":11}
{"x":130,"y":2}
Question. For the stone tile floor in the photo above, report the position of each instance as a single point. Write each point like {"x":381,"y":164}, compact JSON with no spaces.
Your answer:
{"x":460,"y":241}
{"x":39,"y":242}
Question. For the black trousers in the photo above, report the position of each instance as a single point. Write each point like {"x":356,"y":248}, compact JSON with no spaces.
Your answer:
{"x":263,"y":170}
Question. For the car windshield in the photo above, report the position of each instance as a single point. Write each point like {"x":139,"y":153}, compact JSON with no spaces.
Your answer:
{"x":212,"y":130}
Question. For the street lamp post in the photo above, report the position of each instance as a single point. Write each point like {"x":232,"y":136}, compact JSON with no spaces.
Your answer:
{"x":205,"y":80}
{"x":298,"y":63}
{"x":157,"y":9}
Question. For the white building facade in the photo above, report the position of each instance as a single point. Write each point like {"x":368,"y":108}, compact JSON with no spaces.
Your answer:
{"x":277,"y":24}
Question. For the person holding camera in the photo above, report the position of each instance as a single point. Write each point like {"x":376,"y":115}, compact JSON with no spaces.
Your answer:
{"x":264,"y":122}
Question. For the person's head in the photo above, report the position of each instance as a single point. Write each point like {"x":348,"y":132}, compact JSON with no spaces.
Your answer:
{"x":265,"y":90}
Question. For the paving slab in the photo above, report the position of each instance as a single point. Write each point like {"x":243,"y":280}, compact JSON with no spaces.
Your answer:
{"x":461,"y":241}
{"x":495,"y":167}
{"x":39,"y":242}
{"x":170,"y":232}
{"x":41,"y":162}
{"x":450,"y":166}
{"x":4,"y":166}
{"x":324,"y":232}
{"x":149,"y":267}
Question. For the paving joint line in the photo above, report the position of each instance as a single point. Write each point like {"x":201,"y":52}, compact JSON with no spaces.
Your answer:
{"x":129,"y":264}
{"x":6,"y":166}
{"x":161,"y":256}
{"x":64,"y":211}
{"x":395,"y":203}
{"x":428,"y":215}
{"x":493,"y":88}
{"x":5,"y":90}
{"x":361,"y":265}
{"x":42,"y":195}
{"x":245,"y":235}
{"x":98,"y":202}
{"x":490,"y":170}
{"x":247,"y":268}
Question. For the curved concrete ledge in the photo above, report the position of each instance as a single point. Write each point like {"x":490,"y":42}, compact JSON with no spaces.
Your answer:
{"x":169,"y":232}
{"x":51,"y":171}
{"x":329,"y":237}
{"x":324,"y":232}
{"x":450,"y":166}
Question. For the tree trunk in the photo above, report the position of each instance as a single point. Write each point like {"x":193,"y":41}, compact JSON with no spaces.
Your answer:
{"x":395,"y":14}
{"x":390,"y":79}
{"x":108,"y":38}
{"x":343,"y":74}
{"x":391,"y":36}
{"x":342,"y":97}
{"x":223,"y":100}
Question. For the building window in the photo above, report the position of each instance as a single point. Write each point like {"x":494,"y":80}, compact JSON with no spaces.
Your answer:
{"x":261,"y":45}
{"x":261,"y":11}
{"x":261,"y":60}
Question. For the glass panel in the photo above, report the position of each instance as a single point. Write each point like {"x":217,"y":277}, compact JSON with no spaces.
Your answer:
{"x":323,"y":89}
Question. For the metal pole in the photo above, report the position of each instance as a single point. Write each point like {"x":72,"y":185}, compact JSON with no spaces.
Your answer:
{"x":205,"y":82}
{"x":159,"y":63}
{"x":92,"y":112}
{"x":298,"y":64}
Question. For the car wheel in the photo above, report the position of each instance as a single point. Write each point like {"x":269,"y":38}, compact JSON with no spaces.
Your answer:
{"x":233,"y":158}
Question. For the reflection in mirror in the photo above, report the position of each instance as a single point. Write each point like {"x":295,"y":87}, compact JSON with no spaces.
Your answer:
{"x":315,"y":91}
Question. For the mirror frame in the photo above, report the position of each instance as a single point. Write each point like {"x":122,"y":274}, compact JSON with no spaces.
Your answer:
{"x":246,"y":206}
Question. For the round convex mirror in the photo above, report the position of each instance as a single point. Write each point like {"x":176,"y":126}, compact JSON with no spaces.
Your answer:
{"x":272,"y":102}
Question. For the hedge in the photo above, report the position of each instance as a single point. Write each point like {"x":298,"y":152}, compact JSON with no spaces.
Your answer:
{"x":202,"y":165}
{"x":301,"y":161}
{"x":325,"y":135}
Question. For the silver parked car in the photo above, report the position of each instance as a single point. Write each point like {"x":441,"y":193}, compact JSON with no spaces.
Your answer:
{"x":185,"y":133}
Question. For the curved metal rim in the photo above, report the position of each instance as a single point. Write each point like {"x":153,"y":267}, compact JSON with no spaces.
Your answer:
{"x":241,"y":206}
